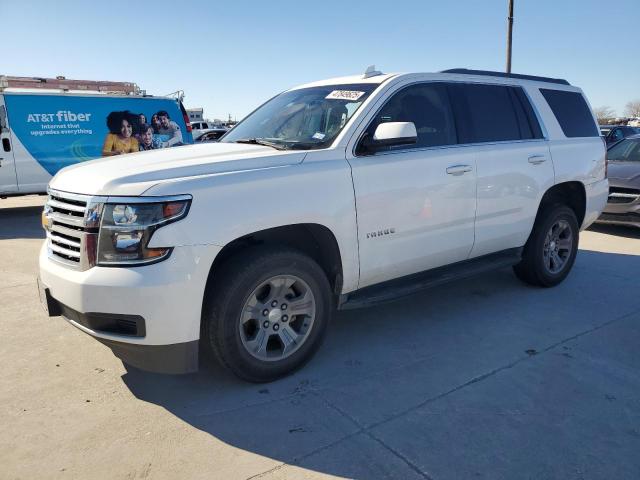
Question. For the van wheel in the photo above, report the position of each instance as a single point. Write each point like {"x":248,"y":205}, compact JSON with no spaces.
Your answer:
{"x":266,"y":313}
{"x":551,"y":250}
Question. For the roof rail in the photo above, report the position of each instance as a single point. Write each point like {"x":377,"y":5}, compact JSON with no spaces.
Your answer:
{"x":466,"y":71}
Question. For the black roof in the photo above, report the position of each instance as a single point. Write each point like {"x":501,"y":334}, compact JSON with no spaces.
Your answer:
{"x":466,"y":71}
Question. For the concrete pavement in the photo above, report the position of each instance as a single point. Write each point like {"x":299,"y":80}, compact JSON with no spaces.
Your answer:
{"x":483,"y":378}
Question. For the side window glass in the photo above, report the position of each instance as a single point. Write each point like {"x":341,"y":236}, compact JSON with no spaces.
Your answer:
{"x":572,"y":112}
{"x":523,"y":122}
{"x":427,"y":106}
{"x":486,"y":113}
{"x":617,"y":134}
{"x":522,"y":100}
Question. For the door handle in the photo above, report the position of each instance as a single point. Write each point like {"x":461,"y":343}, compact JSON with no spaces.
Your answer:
{"x":537,"y":159}
{"x":458,"y":169}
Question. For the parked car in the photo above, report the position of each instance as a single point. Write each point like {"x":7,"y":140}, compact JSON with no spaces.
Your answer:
{"x":212,"y":135}
{"x":615,"y":133}
{"x":202,"y":127}
{"x":623,"y":205}
{"x":41,"y":133}
{"x":340,"y":194}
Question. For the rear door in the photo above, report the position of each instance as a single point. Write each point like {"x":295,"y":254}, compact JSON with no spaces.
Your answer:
{"x":8,"y":178}
{"x":514,"y":166}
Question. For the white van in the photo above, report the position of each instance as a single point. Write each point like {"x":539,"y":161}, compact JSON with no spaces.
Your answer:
{"x":44,"y":131}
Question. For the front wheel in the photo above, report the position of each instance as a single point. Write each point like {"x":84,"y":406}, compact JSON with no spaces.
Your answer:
{"x":267,"y":313}
{"x":551,"y":250}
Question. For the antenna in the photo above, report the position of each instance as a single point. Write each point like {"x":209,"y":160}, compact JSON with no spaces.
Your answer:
{"x":371,"y":72}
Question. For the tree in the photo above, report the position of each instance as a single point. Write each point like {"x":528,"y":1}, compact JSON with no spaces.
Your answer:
{"x":604,"y":114}
{"x":632,"y":109}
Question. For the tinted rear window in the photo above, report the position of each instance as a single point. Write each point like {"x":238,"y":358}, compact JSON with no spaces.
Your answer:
{"x":484,"y":113}
{"x":493,"y":113}
{"x":532,"y":120}
{"x":572,"y":113}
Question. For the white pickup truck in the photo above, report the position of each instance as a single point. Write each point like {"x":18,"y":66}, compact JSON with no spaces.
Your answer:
{"x":332,"y":195}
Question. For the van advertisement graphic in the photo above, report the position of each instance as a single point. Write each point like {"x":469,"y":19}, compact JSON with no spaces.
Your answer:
{"x":61,"y":130}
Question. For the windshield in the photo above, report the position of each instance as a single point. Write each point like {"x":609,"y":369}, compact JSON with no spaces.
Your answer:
{"x":308,"y":118}
{"x":626,"y":151}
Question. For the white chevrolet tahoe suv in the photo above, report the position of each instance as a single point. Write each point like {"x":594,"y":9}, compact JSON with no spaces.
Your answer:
{"x":332,"y":195}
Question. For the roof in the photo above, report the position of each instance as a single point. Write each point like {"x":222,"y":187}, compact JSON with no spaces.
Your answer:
{"x":519,"y":76}
{"x":456,"y":74}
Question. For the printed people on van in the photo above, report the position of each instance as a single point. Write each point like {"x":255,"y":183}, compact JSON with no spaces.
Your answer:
{"x":148,"y":141}
{"x":140,"y":120}
{"x":120,"y":138}
{"x":155,"y":123}
{"x":169,"y":130}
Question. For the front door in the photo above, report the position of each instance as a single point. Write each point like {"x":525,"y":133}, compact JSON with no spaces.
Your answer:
{"x":415,"y":204}
{"x":8,"y":178}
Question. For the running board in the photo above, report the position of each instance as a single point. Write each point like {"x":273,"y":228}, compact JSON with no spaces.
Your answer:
{"x":402,"y":287}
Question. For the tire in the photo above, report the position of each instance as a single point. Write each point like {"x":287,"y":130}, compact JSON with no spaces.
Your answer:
{"x":249,"y":285}
{"x":537,"y":267}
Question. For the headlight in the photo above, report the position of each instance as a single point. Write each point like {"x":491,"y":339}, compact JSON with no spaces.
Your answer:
{"x":126,"y":229}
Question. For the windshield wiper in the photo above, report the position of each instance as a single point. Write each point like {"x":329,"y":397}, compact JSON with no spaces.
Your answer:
{"x":260,"y":141}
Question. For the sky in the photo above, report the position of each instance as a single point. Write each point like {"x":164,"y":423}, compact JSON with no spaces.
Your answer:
{"x":231,"y":56}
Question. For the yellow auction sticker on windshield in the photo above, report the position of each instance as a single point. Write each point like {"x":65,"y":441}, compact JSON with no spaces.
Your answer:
{"x":344,"y":95}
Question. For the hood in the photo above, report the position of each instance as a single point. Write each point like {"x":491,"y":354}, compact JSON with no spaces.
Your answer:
{"x":134,"y":173}
{"x":624,"y":174}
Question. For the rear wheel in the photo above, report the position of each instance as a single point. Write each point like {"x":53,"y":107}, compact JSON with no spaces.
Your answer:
{"x":267,"y":313}
{"x":551,"y":250}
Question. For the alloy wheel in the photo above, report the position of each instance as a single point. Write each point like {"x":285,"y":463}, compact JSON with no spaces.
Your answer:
{"x":277,"y":318}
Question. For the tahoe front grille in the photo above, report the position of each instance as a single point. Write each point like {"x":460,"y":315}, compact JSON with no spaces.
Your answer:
{"x":69,"y":240}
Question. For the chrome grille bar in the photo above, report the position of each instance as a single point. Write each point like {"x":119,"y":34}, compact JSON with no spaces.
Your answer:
{"x":57,"y":204}
{"x":623,"y":197}
{"x":66,"y":233}
{"x":67,"y":219}
{"x":57,"y":239}
{"x":63,"y":251}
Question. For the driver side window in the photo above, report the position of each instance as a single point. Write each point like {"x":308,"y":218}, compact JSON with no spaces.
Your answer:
{"x":427,"y":106}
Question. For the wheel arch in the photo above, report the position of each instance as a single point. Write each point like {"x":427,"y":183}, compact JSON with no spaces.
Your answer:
{"x":573,"y":194}
{"x":313,"y":239}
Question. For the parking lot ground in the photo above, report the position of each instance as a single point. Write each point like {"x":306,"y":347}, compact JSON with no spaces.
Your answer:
{"x":483,"y":378}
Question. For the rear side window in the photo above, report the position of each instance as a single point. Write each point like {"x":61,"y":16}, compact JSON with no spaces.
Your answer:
{"x":493,"y":113}
{"x":572,"y":112}
{"x":531,"y":120}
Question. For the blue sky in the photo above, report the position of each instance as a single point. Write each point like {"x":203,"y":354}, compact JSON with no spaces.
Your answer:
{"x":230,"y":56}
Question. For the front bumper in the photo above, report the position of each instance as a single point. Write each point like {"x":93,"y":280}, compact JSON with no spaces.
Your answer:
{"x":149,"y":316}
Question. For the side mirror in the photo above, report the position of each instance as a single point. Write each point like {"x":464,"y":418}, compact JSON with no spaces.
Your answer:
{"x":392,"y":134}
